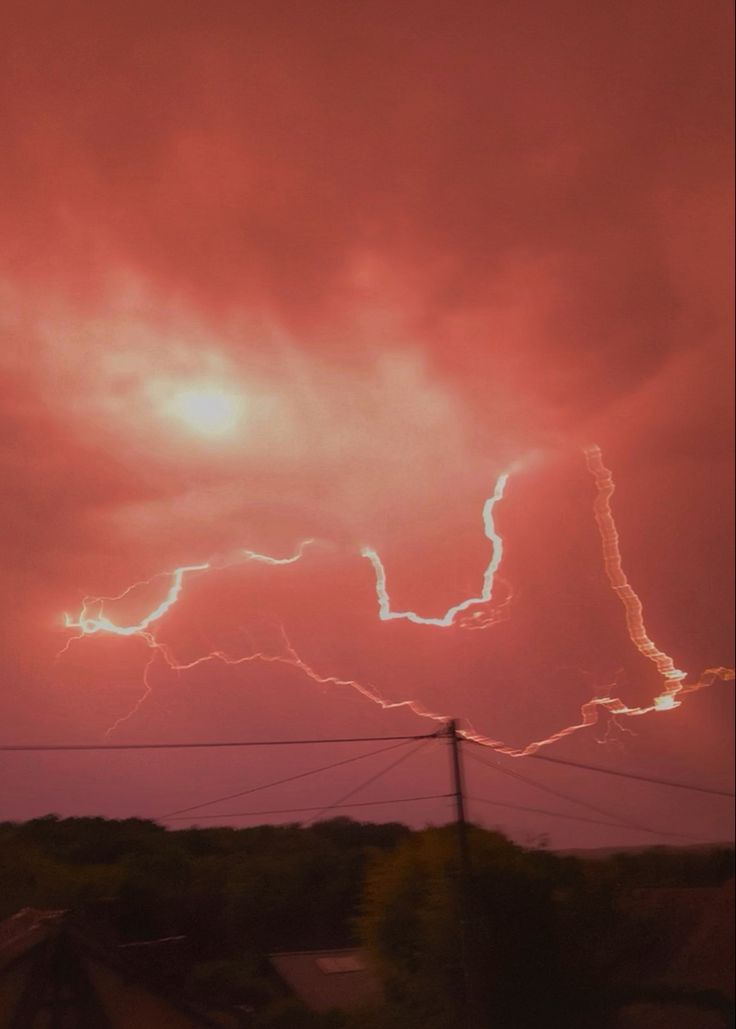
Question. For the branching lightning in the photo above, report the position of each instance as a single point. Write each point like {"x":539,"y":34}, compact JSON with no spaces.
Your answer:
{"x":674,"y":678}
{"x":92,"y":619}
{"x":89,"y":624}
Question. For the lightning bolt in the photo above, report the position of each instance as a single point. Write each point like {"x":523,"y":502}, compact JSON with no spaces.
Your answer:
{"x":590,"y":713}
{"x":89,"y":624}
{"x":288,"y":657}
{"x":384,"y":601}
{"x":674,"y":678}
{"x":92,"y":619}
{"x":633,"y":608}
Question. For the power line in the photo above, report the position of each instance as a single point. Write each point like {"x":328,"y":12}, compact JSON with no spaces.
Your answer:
{"x":216,"y":744}
{"x":281,"y":782}
{"x":367,"y":782}
{"x":595,"y":808}
{"x":213,"y":744}
{"x":30,"y":747}
{"x":298,"y":810}
{"x":632,"y":775}
{"x":575,"y":818}
{"x":616,"y":819}
{"x":546,"y":811}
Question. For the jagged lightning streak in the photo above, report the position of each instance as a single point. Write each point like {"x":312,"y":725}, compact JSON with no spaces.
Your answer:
{"x":612,"y":562}
{"x":89,"y":624}
{"x":386,"y":614}
{"x":291,"y":659}
{"x":147,"y":687}
{"x":673,"y":677}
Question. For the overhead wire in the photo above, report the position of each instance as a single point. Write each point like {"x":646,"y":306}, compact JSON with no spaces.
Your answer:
{"x":203,"y":745}
{"x":213,"y":744}
{"x":633,"y":775}
{"x":560,"y":794}
{"x":395,"y":741}
{"x":620,"y":820}
{"x":545,"y":811}
{"x":283,"y":781}
{"x":369,"y":781}
{"x":316,"y":807}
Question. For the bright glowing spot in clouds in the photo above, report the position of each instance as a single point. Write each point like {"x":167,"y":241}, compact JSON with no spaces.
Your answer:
{"x":208,"y":411}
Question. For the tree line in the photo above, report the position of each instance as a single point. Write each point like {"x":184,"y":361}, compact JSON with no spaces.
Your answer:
{"x":527,"y":938}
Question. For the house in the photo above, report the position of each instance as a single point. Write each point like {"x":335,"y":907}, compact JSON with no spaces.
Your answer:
{"x":54,"y":971}
{"x":328,"y":979}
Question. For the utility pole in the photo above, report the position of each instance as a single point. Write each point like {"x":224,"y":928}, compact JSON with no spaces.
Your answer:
{"x":464,"y":878}
{"x":457,"y":782}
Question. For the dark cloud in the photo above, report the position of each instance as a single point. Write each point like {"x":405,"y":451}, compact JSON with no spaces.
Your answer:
{"x":485,"y":157}
{"x":423,"y":239}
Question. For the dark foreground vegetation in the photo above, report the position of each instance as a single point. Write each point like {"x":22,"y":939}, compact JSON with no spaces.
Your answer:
{"x":550,"y":940}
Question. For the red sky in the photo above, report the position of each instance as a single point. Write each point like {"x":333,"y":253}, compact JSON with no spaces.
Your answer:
{"x":422,"y":243}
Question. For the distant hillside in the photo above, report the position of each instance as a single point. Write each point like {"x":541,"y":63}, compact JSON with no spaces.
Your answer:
{"x":603,"y":853}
